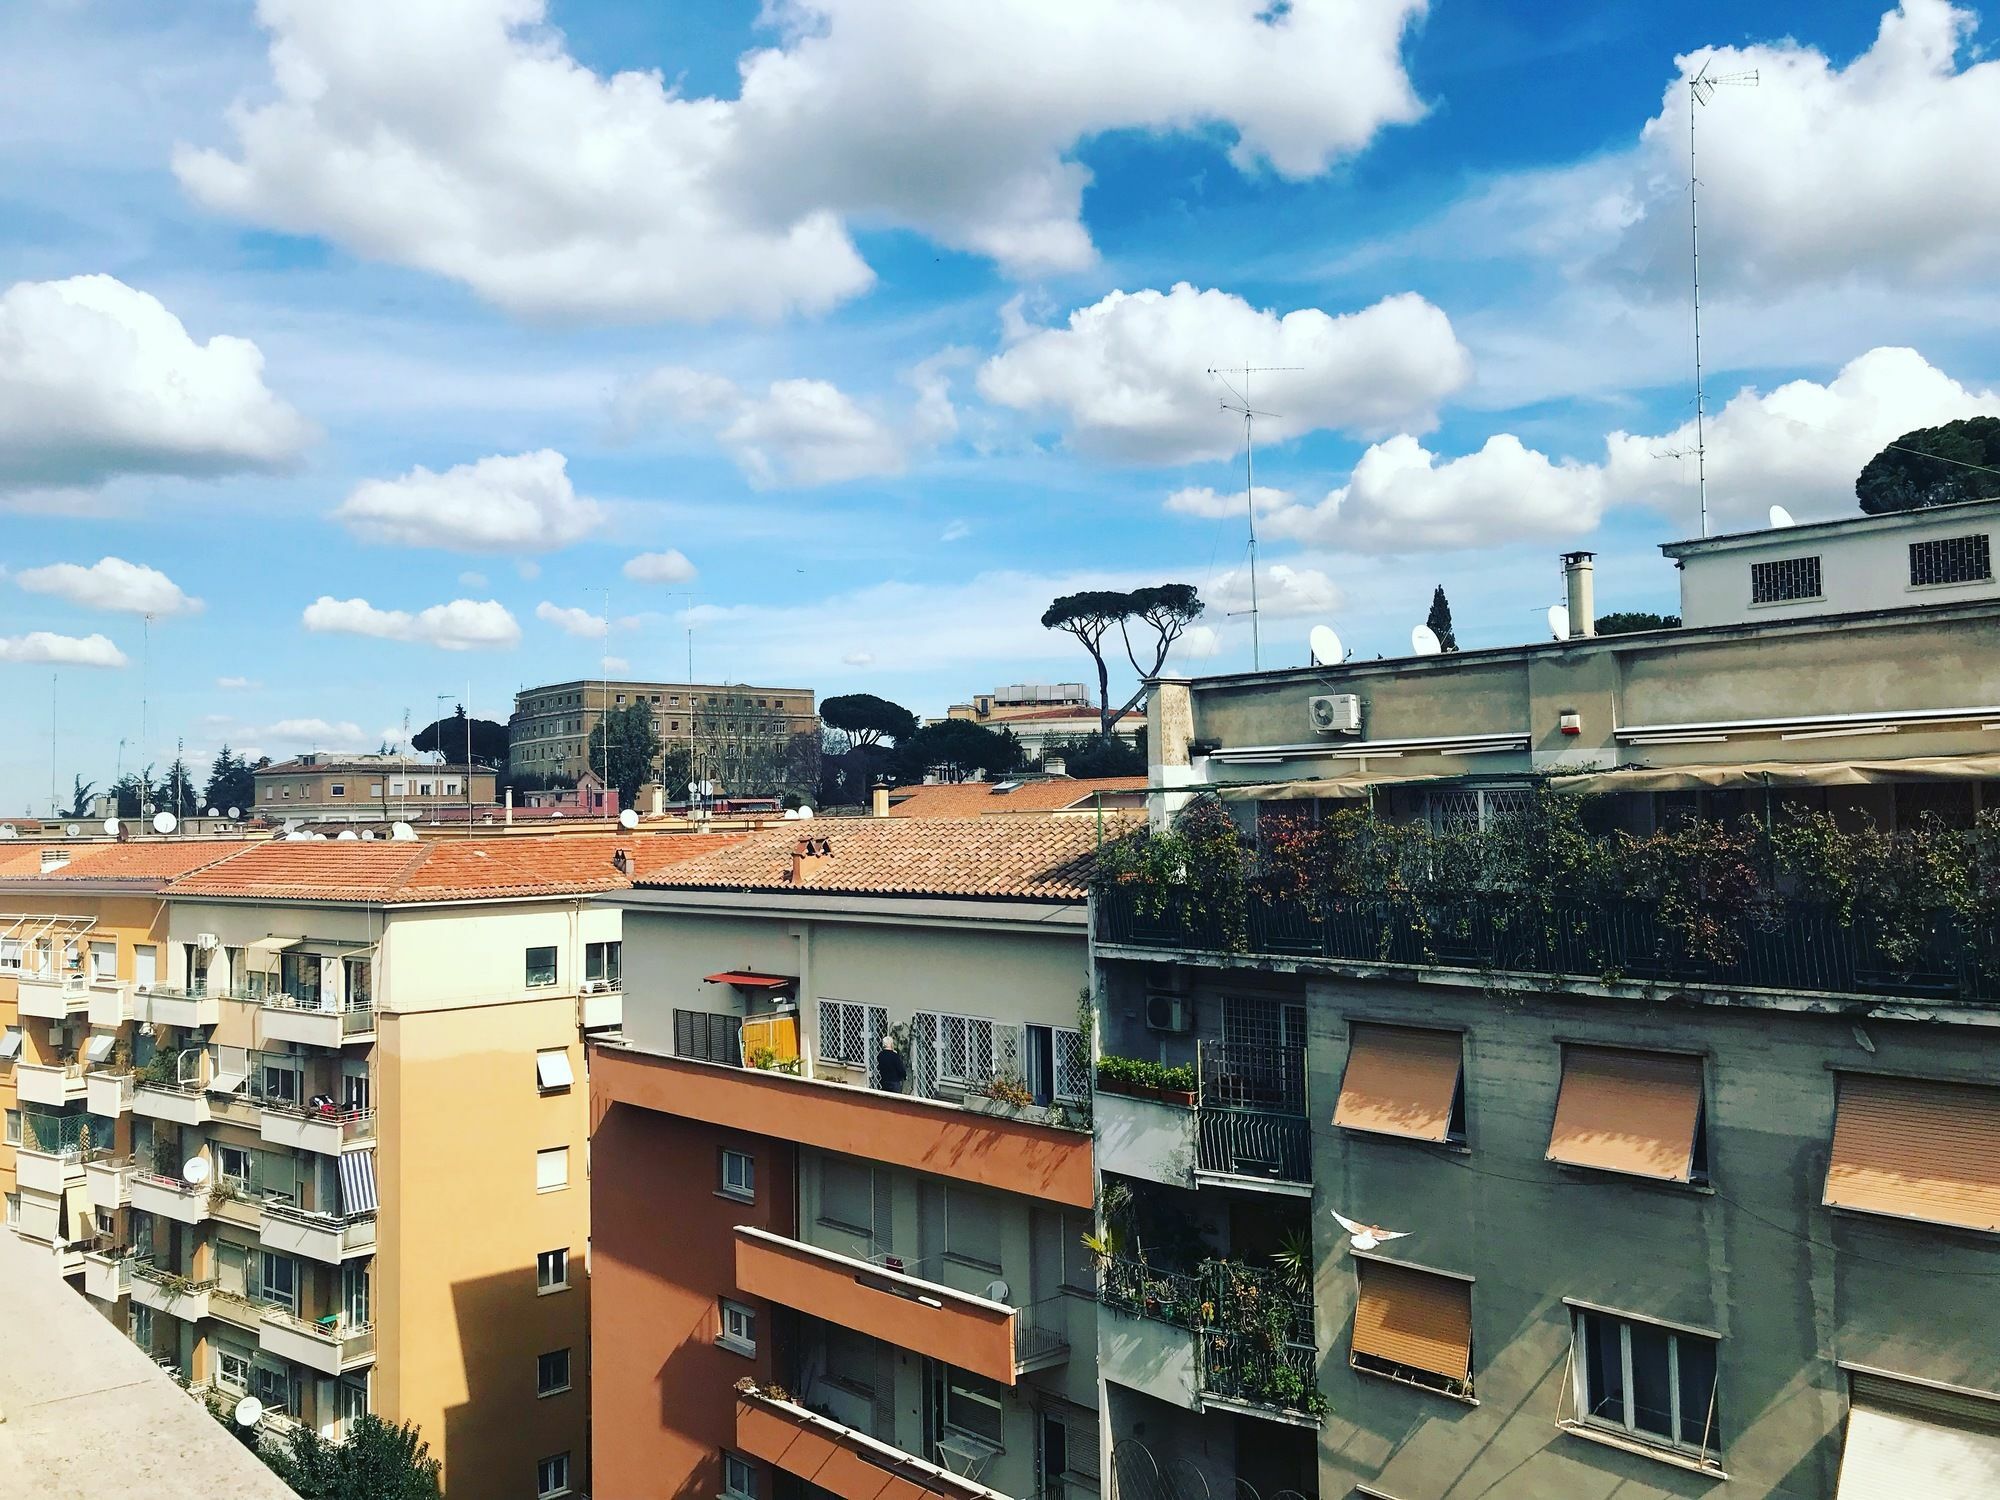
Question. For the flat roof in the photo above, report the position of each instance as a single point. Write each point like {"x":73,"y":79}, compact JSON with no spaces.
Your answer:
{"x":1859,"y":522}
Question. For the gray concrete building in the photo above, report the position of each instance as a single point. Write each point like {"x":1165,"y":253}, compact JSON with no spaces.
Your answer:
{"x":734,"y":730}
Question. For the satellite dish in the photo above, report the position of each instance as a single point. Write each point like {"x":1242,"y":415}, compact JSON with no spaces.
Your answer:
{"x":998,"y":1290}
{"x":805,"y":812}
{"x":402,"y":833}
{"x":369,"y":833}
{"x":165,"y":822}
{"x":291,"y":825}
{"x":71,"y":830}
{"x":235,"y":812}
{"x":346,"y":836}
{"x":1781,"y":517}
{"x":628,"y":818}
{"x":296,"y":837}
{"x":1559,"y":621}
{"x":1325,"y":645}
{"x":111,"y":826}
{"x":213,"y":813}
{"x":195,"y":1170}
{"x":249,"y":1412}
{"x":1424,"y":641}
{"x":9,"y":831}
{"x":319,"y":838}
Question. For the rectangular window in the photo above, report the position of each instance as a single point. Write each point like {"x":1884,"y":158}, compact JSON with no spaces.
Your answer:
{"x":103,"y":960}
{"x":142,"y":1317}
{"x":374,"y":788}
{"x":552,"y":1477}
{"x":847,"y":1196}
{"x":281,"y":1082}
{"x":232,"y":1371}
{"x":1951,"y":559}
{"x":1403,"y":1081}
{"x":965,"y":1050}
{"x":145,"y":965}
{"x":13,"y":1127}
{"x":1786,"y":578}
{"x":973,"y":1405}
{"x":971,"y":1226}
{"x":552,"y":1271}
{"x":552,"y":1373}
{"x":739,"y":1175}
{"x":281,"y":1281}
{"x":232,"y":1165}
{"x":552,"y":1070}
{"x":1651,"y":1383}
{"x":541,"y":967}
{"x":739,"y":1327}
{"x":602,"y":962}
{"x":1413,"y":1326}
{"x":14,"y":1220}
{"x":1635,"y":1112}
{"x":337,"y":789}
{"x":1913,"y":1148}
{"x":739,"y":1478}
{"x":843,"y":1037}
{"x":551,"y":1169}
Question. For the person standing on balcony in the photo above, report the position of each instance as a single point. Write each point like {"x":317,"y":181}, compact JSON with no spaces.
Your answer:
{"x":889,"y":1066}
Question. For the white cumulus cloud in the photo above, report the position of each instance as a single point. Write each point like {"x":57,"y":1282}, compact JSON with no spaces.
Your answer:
{"x":1216,"y":505}
{"x":858,"y":659}
{"x":670,"y":566}
{"x":1126,"y":377}
{"x":1284,"y":591}
{"x":1197,"y":643}
{"x":461,"y":625}
{"x":523,"y":503}
{"x":98,"y":379}
{"x":570,"y":620}
{"x":45,"y":648}
{"x":466,"y":140}
{"x":796,"y":433}
{"x":111,"y":583}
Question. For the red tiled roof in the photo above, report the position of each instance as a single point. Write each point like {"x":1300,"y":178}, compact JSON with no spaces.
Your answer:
{"x":140,"y":860}
{"x":979,"y":799}
{"x":1029,"y":858}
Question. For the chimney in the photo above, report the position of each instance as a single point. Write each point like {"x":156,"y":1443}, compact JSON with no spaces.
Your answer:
{"x":1054,"y":765}
{"x":807,"y":852}
{"x":510,"y":807}
{"x":878,"y":800}
{"x":1577,"y":571}
{"x":621,"y":862}
{"x":659,"y":799}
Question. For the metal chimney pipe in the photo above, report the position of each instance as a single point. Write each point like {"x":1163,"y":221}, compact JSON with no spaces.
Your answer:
{"x":1578,"y":577}
{"x":510,"y":807}
{"x":878,"y":800}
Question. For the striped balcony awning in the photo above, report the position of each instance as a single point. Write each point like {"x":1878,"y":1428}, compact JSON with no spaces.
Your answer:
{"x":357,"y":1182}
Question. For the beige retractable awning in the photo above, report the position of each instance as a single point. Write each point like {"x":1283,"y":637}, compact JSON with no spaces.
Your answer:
{"x":1916,"y":1149}
{"x":1399,"y":1081}
{"x":79,"y":1223}
{"x":1779,"y":774}
{"x":1331,"y":788}
{"x":1416,"y":1319}
{"x":1623,"y":1111}
{"x":1905,"y":1440}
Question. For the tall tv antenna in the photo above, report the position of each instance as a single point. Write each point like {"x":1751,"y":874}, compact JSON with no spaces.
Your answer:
{"x":1250,"y":414}
{"x":1701,"y":88}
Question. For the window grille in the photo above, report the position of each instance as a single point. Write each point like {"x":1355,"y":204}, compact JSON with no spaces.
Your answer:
{"x":1786,"y":578}
{"x":1951,"y":559}
{"x":843,"y":1037}
{"x":1072,"y":1066}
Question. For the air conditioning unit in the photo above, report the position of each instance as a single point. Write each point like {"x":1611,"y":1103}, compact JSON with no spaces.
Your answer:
{"x":594,"y":986}
{"x":1335,"y":713}
{"x":1165,"y":1012}
{"x":208,"y":942}
{"x":58,"y":1034}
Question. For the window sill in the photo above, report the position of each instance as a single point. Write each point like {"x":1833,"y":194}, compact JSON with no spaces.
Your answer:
{"x":1628,"y":1444}
{"x":1412,"y":1384}
{"x":561,"y":1390}
{"x":1637,"y":1179}
{"x":734,"y":1346}
{"x":550,"y":1291}
{"x":1780,"y":604}
{"x":560,"y":1187}
{"x":735,"y":1197}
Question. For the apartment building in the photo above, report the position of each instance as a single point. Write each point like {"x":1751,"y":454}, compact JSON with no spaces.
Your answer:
{"x":1014,"y":795}
{"x":1042,"y":714}
{"x":730,"y":727}
{"x":1530,"y":1190}
{"x":368,"y":788}
{"x":353,"y":1120}
{"x":812,"y":1275}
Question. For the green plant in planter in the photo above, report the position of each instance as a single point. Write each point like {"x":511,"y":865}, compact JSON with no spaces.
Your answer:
{"x":1010,"y":1090}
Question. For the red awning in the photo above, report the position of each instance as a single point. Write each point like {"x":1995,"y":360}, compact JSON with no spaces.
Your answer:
{"x":754,"y":981}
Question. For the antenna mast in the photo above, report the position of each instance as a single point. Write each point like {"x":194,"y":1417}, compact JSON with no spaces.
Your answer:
{"x":1250,"y":414}
{"x":1701,"y":88}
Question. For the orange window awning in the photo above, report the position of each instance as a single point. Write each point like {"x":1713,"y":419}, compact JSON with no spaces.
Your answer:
{"x":1623,"y":1111}
{"x":1418,"y":1320}
{"x":1400,"y":1080}
{"x":750,"y":981}
{"x":1916,"y":1149}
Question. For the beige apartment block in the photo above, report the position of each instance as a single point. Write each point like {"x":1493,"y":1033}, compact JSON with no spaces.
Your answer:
{"x":728,"y":726}
{"x":367,"y":788}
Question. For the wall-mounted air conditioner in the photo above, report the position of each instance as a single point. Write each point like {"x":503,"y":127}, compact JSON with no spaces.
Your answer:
{"x":1167,"y":1012}
{"x":1335,"y":713}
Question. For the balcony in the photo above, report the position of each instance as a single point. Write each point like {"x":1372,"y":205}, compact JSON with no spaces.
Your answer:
{"x":328,"y":1238}
{"x":110,"y":1003}
{"x":1251,"y":1128}
{"x":839,"y":1459}
{"x":328,"y":1345}
{"x":326,"y":1131}
{"x":48,"y":1172}
{"x":283,"y":1019}
{"x":110,"y":1181}
{"x":107,"y":1274}
{"x":54,"y":997}
{"x":165,"y":1292}
{"x":50,"y":1084}
{"x":171,"y":1005}
{"x":1149,"y":1139}
{"x":180,"y":1103}
{"x":230,"y":1204}
{"x":107,"y":1092}
{"x":169,"y":1197}
{"x":237,"y":1310}
{"x":1013,"y":1155}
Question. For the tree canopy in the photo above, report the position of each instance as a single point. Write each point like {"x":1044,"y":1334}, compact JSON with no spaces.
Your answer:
{"x":956,"y":748}
{"x":229,"y":783}
{"x":79,"y":797}
{"x":1095,"y":755}
{"x":625,"y":749}
{"x":446,"y":737}
{"x":378,"y":1461}
{"x":866,"y":719}
{"x":1626,"y":621}
{"x":1933,"y":466}
{"x":177,"y":791}
{"x":1167,"y":609}
{"x":1439,"y":620}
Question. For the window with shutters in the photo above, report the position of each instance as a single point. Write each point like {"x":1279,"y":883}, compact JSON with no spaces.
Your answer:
{"x":1413,"y":1326}
{"x":1640,"y":1113}
{"x":708,"y":1035}
{"x":1916,"y":1148}
{"x":1403,"y":1081}
{"x":847,"y":1196}
{"x":972,"y":1227}
{"x":1784,"y":579}
{"x":1646,"y":1381}
{"x":843,"y":1033}
{"x":551,"y":1169}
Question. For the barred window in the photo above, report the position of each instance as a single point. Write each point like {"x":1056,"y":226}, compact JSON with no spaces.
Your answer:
{"x":850,"y":1033}
{"x":1787,"y":578}
{"x":967,"y":1048}
{"x":1951,"y":559}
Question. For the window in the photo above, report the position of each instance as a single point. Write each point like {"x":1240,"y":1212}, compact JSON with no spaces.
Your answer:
{"x":103,"y":960}
{"x":281,"y":1082}
{"x":14,"y":1218}
{"x":232,"y":1165}
{"x":1403,"y":1081}
{"x":739,"y":1327}
{"x":847,"y":1195}
{"x":142,"y":1317}
{"x":541,"y":967}
{"x":739,"y":1478}
{"x":601,"y":962}
{"x":739,"y":1175}
{"x":1653,"y":1383}
{"x":232,"y":1371}
{"x":972,"y":1405}
{"x":1639,"y":1113}
{"x":374,"y":788}
{"x":552,"y":1477}
{"x":965,"y":1050}
{"x":1913,"y":1148}
{"x":1786,"y":578}
{"x":552,"y":1070}
{"x":13,"y":1127}
{"x":551,"y":1169}
{"x":1413,"y":1326}
{"x":971,"y":1226}
{"x":552,"y":1271}
{"x":552,"y":1373}
{"x":1951,"y":559}
{"x":843,"y":1033}
{"x":281,"y":1281}
{"x":336,"y":789}
{"x":145,"y":965}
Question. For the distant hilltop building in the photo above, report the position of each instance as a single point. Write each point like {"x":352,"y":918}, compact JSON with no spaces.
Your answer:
{"x":724,"y":723}
{"x":367,"y":788}
{"x":1042,"y":714}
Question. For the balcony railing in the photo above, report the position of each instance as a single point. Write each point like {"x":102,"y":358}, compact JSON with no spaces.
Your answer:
{"x":1250,"y":1118}
{"x":1253,"y":1328}
{"x":1786,"y":945}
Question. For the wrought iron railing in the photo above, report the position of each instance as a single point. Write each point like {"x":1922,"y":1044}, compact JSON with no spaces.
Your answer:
{"x":1250,"y":1118}
{"x":1041,"y":1332}
{"x":1131,"y":1285}
{"x":1253,"y":1328}
{"x":1783,"y":945}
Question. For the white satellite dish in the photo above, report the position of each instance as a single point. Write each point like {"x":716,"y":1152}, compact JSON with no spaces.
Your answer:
{"x":346,"y":836}
{"x":998,"y":1290}
{"x":1559,"y":621}
{"x":1424,"y":641}
{"x":213,"y":813}
{"x":628,"y":818}
{"x":249,"y":1412}
{"x":9,"y":831}
{"x":1781,"y":517}
{"x":111,"y":826}
{"x":165,"y":822}
{"x":291,"y":825}
{"x":195,"y":1170}
{"x":402,"y":833}
{"x":369,"y":833}
{"x":298,"y":837}
{"x":235,"y":812}
{"x":805,"y":812}
{"x":1325,"y":646}
{"x":71,"y":830}
{"x":319,"y":838}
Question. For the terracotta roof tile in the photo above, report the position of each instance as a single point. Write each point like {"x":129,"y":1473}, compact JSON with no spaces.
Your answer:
{"x":980,"y":799}
{"x":140,"y":860}
{"x":1030,"y":858}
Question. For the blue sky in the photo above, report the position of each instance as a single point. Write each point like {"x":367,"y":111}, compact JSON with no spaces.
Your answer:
{"x":394,"y":334}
